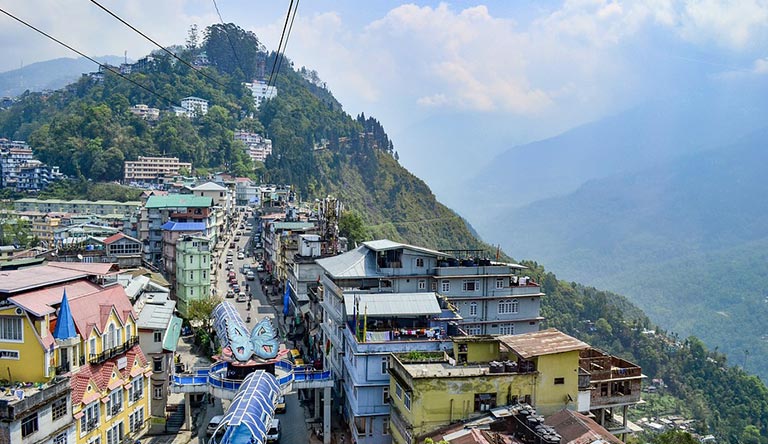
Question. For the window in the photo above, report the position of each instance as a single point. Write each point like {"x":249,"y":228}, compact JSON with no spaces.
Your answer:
{"x":29,"y":425}
{"x":559,"y":381}
{"x":92,"y":346}
{"x":445,"y":286}
{"x":398,"y":391}
{"x":422,"y":284}
{"x":157,"y":336}
{"x":11,"y":329}
{"x":473,"y":329}
{"x":473,"y":309}
{"x":508,"y":306}
{"x":384,"y":364}
{"x":115,"y":402}
{"x":9,"y":354}
{"x":136,"y":390}
{"x":191,"y":259}
{"x":157,"y":364}
{"x":115,"y":434}
{"x":90,"y":418}
{"x":470,"y":285}
{"x":191,"y":275}
{"x":407,"y":401}
{"x":499,"y":283}
{"x":434,"y":285}
{"x":136,"y":420}
{"x":507,"y":329}
{"x":157,"y":392}
{"x":204,"y":274}
{"x":385,"y":395}
{"x":419,"y":262}
{"x":385,"y":426}
{"x":58,"y":408}
{"x":604,"y":389}
{"x":360,"y":424}
{"x":61,"y":438}
{"x":485,"y":402}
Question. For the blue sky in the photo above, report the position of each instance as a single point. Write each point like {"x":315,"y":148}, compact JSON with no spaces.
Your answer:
{"x":534,"y":67}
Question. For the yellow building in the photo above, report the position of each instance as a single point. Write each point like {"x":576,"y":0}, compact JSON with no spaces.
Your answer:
{"x":90,"y":336}
{"x":428,"y":391}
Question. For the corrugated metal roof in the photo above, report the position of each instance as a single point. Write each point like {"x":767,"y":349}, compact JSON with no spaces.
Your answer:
{"x":545,"y":342}
{"x":178,"y":201}
{"x":386,"y":244}
{"x":209,"y":186}
{"x":292,"y":225}
{"x":352,"y":264}
{"x":183,"y":226}
{"x":393,"y":304}
{"x":156,"y":316}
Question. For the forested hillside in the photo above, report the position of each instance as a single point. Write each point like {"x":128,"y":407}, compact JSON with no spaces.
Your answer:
{"x":87,"y":130}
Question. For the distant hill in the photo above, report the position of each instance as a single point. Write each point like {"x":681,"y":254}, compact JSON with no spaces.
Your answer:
{"x":50,"y":74}
{"x":658,"y":131}
{"x":685,"y":240}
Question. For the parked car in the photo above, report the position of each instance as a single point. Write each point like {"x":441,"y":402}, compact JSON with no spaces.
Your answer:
{"x":236,"y":287}
{"x":213,"y":424}
{"x":230,"y":293}
{"x":241,"y":297}
{"x":280,"y":406}
{"x":273,"y":435}
{"x":232,"y":244}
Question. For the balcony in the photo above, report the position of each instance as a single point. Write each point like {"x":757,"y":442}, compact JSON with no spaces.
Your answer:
{"x":13,"y":408}
{"x":113,"y":352}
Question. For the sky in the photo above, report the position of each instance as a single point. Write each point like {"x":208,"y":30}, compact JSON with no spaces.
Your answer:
{"x":454,"y":83}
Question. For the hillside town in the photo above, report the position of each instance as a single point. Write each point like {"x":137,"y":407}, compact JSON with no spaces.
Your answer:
{"x":131,"y":322}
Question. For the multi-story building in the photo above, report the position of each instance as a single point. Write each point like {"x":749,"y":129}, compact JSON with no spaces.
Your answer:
{"x":145,"y":112}
{"x":261,"y":91}
{"x":428,"y":391}
{"x":159,"y":332}
{"x":223,"y":203}
{"x":372,"y":306}
{"x":280,"y":243}
{"x":119,"y":248}
{"x":172,"y":232}
{"x":193,"y":271}
{"x":614,"y":384}
{"x":13,"y":154}
{"x":492,"y":298}
{"x":257,"y":147}
{"x":93,"y":341}
{"x":175,"y":208}
{"x":246,"y":192}
{"x":34,"y":175}
{"x":194,"y":106}
{"x":98,"y":207}
{"x":154,"y":169}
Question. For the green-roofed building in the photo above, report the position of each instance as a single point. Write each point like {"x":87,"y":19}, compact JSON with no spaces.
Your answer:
{"x":100,"y":207}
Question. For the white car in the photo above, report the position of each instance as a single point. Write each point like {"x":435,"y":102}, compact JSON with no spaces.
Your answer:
{"x":273,"y":435}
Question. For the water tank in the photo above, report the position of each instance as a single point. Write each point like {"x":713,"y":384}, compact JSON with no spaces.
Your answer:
{"x":510,"y":366}
{"x":496,"y":367}
{"x":309,"y":245}
{"x":89,"y":248}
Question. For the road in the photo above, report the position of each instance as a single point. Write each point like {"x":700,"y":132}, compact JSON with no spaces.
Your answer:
{"x":294,"y":415}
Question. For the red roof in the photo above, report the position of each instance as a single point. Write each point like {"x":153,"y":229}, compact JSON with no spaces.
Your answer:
{"x":101,"y":374}
{"x":41,"y":302}
{"x":92,"y":310}
{"x":113,"y":238}
{"x":17,"y":281}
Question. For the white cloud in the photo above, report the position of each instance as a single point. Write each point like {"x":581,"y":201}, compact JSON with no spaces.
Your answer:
{"x":760,"y":66}
{"x":727,"y":23}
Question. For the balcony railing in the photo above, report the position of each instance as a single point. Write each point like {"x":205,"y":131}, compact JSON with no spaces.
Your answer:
{"x":112,"y":352}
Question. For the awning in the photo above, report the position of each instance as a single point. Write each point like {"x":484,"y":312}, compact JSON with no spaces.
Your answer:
{"x":172,"y":333}
{"x":392,"y":304}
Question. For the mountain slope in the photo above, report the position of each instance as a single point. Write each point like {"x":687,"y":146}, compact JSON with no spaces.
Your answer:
{"x":687,"y":236}
{"x":655,"y":132}
{"x":50,"y":74}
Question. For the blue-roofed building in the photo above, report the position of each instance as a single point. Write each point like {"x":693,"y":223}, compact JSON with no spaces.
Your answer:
{"x":172,"y":232}
{"x":174,"y":208}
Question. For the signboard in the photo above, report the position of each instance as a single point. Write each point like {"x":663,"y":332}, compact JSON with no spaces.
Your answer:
{"x":122,"y":363}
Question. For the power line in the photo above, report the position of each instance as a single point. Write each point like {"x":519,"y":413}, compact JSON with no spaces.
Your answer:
{"x":226,"y":33}
{"x":157,"y":44}
{"x":287,"y":36}
{"x":107,"y":67}
{"x":280,"y":45}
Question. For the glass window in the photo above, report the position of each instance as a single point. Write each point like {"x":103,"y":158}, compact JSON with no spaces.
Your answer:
{"x":422,"y":284}
{"x":398,"y":391}
{"x":445,"y":286}
{"x":11,"y":329}
{"x":61,"y":438}
{"x":59,"y":408}
{"x":419,"y":262}
{"x":384,"y":364}
{"x":158,"y":336}
{"x":507,"y":329}
{"x":499,"y":283}
{"x":157,"y":392}
{"x":407,"y":401}
{"x":470,"y":285}
{"x":508,"y":306}
{"x":157,"y":364}
{"x":473,"y":309}
{"x":385,"y":395}
{"x":29,"y":425}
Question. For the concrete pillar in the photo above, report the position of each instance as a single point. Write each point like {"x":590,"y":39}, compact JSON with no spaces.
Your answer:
{"x":317,"y":403}
{"x":187,"y":412}
{"x":327,"y":415}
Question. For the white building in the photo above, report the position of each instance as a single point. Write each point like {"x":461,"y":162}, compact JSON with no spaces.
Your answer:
{"x":145,"y":112}
{"x":194,"y":106}
{"x":261,"y":91}
{"x":258,"y":147}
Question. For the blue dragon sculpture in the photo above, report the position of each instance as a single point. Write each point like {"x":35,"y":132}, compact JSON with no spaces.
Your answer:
{"x":232,"y":333}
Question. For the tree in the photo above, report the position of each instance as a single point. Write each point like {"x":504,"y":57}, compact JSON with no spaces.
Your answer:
{"x":674,"y":437}
{"x":352,"y":227}
{"x":193,"y":38}
{"x":199,"y":312}
{"x":233,"y":50}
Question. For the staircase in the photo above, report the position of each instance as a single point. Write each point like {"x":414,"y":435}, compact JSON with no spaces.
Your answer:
{"x":175,"y":418}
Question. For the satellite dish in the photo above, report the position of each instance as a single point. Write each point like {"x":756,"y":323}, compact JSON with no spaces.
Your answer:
{"x":80,"y":257}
